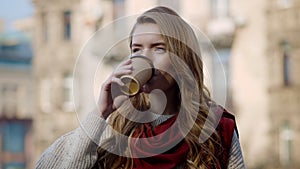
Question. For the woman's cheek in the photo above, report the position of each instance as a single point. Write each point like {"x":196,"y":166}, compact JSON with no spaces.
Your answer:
{"x":163,"y":65}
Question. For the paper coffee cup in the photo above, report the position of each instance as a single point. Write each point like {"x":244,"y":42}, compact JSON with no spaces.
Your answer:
{"x":142,"y":72}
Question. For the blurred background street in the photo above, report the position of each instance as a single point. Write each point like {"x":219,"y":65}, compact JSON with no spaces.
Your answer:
{"x":257,"y":41}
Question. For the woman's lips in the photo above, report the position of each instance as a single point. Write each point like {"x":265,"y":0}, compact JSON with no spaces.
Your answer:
{"x":156,"y":72}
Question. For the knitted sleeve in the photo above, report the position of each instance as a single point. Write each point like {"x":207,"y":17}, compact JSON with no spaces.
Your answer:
{"x":76,"y":149}
{"x":235,"y":155}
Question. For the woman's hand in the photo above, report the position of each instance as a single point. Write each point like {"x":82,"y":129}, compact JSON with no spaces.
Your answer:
{"x":110,"y":95}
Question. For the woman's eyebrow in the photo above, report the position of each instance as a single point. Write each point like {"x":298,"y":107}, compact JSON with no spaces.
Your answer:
{"x":136,"y":45}
{"x":152,"y":44}
{"x":158,"y":44}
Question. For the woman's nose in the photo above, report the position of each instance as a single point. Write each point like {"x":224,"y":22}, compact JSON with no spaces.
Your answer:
{"x":147,"y":53}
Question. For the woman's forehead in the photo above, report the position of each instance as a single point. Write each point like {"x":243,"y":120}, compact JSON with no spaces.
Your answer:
{"x":147,"y":33}
{"x":146,"y":28}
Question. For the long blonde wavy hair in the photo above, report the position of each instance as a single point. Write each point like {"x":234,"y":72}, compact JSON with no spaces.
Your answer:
{"x":195,"y":122}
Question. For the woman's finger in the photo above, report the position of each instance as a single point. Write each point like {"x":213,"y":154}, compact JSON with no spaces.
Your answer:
{"x":126,"y":62}
{"x":123,"y":69}
{"x":118,"y":81}
{"x":121,"y":72}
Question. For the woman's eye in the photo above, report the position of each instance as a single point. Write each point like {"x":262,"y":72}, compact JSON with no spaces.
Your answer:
{"x":160,"y":49}
{"x":134,"y":50}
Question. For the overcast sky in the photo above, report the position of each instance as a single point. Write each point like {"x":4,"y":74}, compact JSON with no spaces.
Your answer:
{"x":12,"y":10}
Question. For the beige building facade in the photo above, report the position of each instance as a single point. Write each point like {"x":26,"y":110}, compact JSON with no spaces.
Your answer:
{"x":256,"y":46}
{"x":61,"y":28}
{"x":17,"y":97}
{"x":249,"y":81}
{"x":284,"y":87}
{"x":265,"y":82}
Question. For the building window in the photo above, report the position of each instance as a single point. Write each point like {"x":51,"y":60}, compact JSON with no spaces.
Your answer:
{"x":219,"y":8}
{"x":14,"y":143}
{"x":286,"y":64}
{"x":67,"y":92}
{"x":67,"y":25}
{"x":9,"y":97}
{"x":45,"y":95}
{"x":286,"y":69}
{"x":44,"y":27}
{"x":118,"y":8}
{"x":286,"y":138}
{"x":118,"y":11}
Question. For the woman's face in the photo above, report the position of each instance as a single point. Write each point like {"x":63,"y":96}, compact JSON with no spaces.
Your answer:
{"x":147,"y":41}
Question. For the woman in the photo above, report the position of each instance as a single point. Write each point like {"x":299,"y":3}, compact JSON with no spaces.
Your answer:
{"x":186,"y":128}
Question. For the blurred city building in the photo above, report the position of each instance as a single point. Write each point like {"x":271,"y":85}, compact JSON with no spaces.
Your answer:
{"x":257,"y":44}
{"x":283,"y":51}
{"x":61,"y":28}
{"x":2,"y":24}
{"x":249,"y":81}
{"x":17,"y":101}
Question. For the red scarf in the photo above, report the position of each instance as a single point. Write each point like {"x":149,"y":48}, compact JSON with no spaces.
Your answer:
{"x":157,"y":149}
{"x":174,"y":155}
